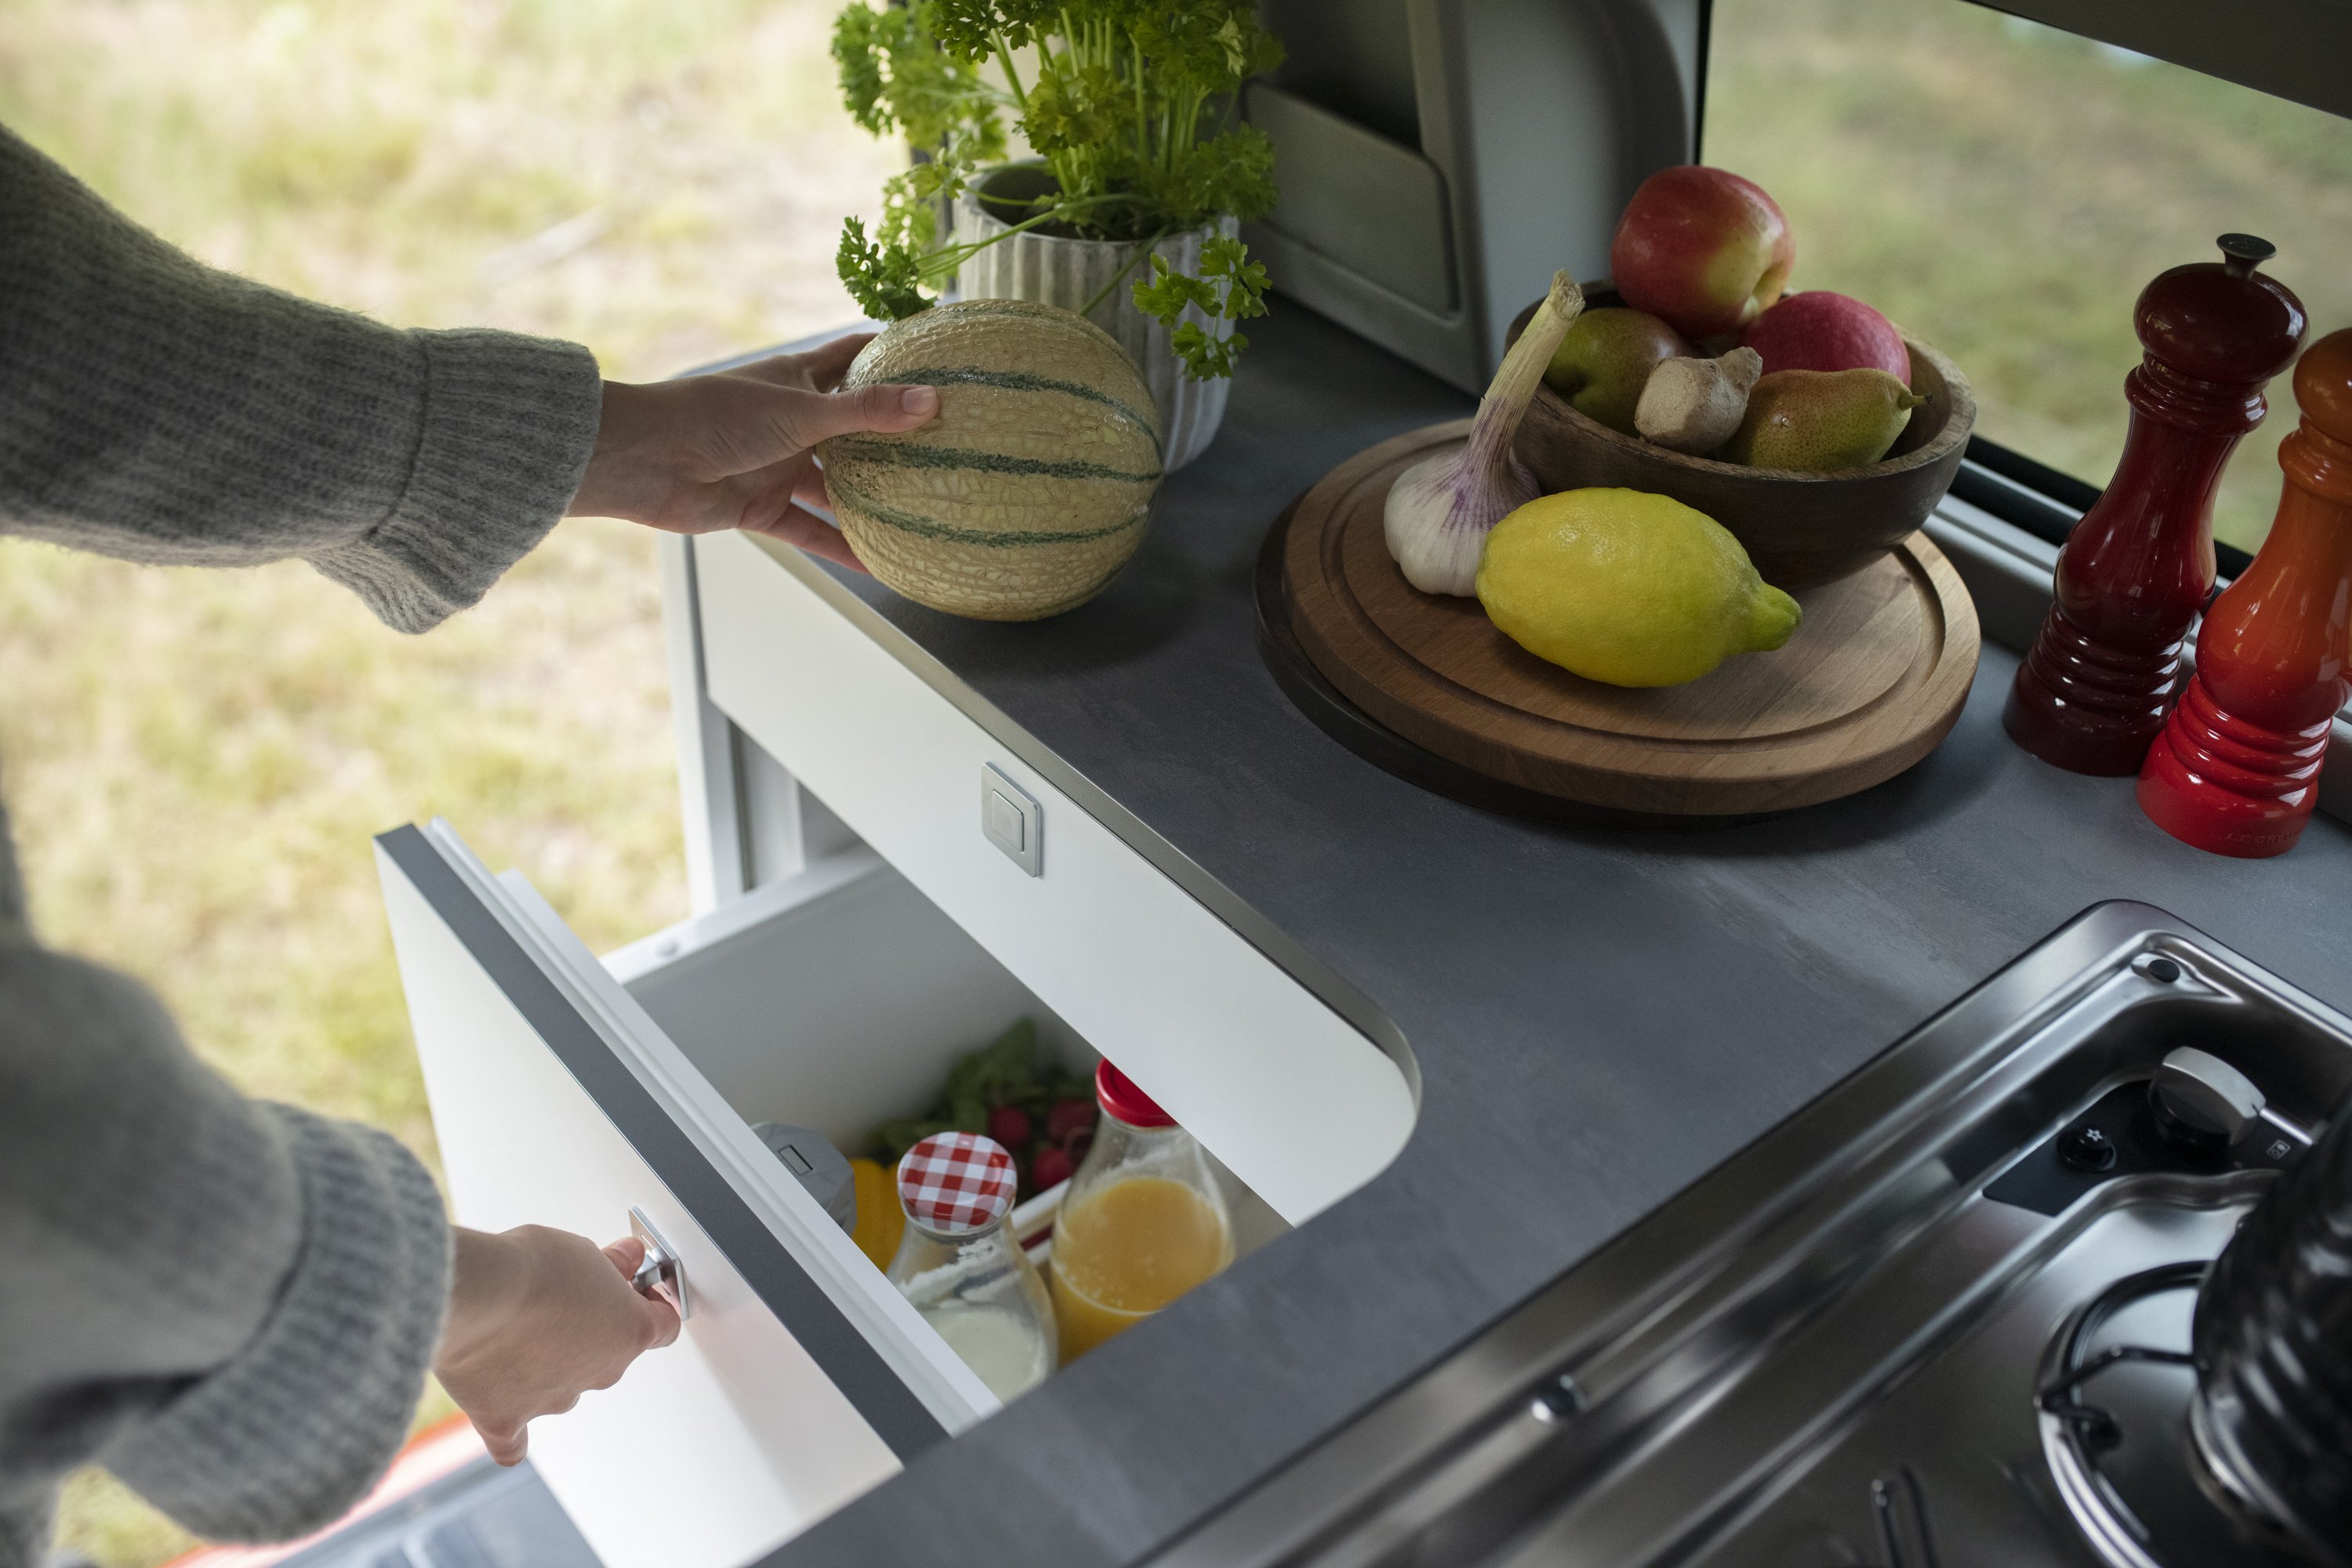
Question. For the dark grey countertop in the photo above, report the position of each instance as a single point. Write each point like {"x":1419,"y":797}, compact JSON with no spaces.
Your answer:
{"x":1599,"y":1016}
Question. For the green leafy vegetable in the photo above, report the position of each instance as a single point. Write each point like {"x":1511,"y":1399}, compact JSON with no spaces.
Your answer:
{"x":1130,"y":108}
{"x":1004,"y":1072}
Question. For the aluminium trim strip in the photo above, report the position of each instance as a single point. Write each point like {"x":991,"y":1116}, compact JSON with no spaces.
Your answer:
{"x":753,"y":1250}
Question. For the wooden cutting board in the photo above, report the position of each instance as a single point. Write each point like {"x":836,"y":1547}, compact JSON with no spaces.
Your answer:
{"x":1871,"y":682}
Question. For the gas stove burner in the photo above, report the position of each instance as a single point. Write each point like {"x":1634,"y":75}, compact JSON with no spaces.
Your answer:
{"x":2114,"y":1407}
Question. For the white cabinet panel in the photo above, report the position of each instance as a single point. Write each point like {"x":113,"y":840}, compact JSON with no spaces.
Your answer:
{"x":709,"y":1452}
{"x":1299,"y":1104}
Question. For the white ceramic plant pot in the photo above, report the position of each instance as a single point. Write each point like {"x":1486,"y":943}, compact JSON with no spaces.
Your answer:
{"x":1071,"y":272}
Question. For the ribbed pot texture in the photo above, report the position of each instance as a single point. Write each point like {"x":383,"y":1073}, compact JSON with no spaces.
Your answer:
{"x":1069,"y":272}
{"x":2274,"y":1345}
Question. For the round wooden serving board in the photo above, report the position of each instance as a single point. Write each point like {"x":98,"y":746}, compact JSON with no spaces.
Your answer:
{"x":1870,"y":683}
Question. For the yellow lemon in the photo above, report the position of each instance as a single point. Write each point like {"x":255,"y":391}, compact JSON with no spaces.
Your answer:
{"x":1627,"y":587}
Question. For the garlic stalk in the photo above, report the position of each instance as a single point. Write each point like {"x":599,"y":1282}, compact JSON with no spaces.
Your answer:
{"x":1440,"y":509}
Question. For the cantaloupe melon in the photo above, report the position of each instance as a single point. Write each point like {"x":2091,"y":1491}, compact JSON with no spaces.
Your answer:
{"x":1032,"y":486}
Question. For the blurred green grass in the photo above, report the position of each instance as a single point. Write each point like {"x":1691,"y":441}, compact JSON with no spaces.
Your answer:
{"x":195,"y":759}
{"x":2005,"y":191}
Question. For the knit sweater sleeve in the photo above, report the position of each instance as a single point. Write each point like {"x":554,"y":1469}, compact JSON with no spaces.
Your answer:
{"x":159,"y":410}
{"x":230,"y":1304}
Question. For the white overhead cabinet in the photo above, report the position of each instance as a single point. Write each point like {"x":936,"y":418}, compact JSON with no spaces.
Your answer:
{"x":571,"y":1090}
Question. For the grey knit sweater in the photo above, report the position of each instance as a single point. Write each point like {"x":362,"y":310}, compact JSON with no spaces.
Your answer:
{"x":229,"y":1304}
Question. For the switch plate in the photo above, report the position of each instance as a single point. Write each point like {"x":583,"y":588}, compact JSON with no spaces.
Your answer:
{"x":1010,"y":818}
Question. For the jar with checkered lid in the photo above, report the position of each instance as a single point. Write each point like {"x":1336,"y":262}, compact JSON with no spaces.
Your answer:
{"x":960,"y":1267}
{"x":1142,"y":1221}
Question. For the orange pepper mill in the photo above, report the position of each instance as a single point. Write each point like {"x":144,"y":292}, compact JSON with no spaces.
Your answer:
{"x":2237,"y":768}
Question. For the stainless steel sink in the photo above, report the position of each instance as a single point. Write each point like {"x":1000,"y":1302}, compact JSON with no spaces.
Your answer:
{"x":1828,"y":1352}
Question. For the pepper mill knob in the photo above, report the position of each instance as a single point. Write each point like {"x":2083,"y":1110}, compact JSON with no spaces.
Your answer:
{"x":2222,"y":321}
{"x":2095,"y":689}
{"x":2244,"y":252}
{"x":2237,"y":768}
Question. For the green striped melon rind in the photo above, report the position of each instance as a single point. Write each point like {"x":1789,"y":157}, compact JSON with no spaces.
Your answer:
{"x":986,"y":583}
{"x":1022,"y":381}
{"x":1032,"y":487}
{"x":964,"y":461}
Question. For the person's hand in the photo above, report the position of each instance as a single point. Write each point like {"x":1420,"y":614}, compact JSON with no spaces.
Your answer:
{"x":731,"y":450}
{"x":536,"y":1318}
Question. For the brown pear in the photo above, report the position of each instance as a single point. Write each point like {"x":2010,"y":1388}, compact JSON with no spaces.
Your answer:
{"x":1821,"y":420}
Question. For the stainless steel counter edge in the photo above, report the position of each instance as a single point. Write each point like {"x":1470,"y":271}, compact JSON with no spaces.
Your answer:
{"x":1594,"y":1333}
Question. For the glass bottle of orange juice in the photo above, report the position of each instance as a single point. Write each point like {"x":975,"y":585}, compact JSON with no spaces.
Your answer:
{"x":1142,"y":1222}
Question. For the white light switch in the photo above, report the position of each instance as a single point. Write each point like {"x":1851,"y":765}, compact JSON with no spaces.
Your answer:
{"x":1006,"y":824}
{"x":1012,"y":819}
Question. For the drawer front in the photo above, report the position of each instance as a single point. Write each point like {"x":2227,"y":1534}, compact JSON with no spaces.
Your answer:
{"x":1295,"y":1100}
{"x":781,"y":1400}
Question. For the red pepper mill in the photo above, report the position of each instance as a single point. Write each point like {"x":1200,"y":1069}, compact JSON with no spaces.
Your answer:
{"x":2237,"y":766}
{"x":2095,"y":689}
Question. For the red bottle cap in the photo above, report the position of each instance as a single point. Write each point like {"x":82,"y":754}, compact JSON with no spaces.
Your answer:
{"x":1121,"y":1098}
{"x":956,"y":1183}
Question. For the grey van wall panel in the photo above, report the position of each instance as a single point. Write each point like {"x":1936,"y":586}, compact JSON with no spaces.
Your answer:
{"x":1353,"y":58}
{"x":1373,"y":205}
{"x":1538,"y":118}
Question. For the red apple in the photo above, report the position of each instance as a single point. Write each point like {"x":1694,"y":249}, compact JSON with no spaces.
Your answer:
{"x":1703,"y":250}
{"x":1820,"y":331}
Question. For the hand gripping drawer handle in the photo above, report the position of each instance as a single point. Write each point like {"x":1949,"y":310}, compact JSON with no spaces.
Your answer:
{"x":662,"y":1273}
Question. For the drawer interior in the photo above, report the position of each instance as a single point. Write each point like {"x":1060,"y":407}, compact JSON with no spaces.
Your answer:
{"x":840,"y":1000}
{"x":839,"y":1010}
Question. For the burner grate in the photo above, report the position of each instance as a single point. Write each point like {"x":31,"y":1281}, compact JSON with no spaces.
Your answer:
{"x":2124,"y":1462}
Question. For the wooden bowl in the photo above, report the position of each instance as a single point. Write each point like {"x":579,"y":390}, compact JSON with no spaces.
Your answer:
{"x":1799,"y":528}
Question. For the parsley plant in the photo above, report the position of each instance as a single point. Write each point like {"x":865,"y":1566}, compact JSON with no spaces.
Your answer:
{"x":1131,"y":108}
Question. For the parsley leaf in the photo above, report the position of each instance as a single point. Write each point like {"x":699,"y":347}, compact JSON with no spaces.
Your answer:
{"x":1130,"y":106}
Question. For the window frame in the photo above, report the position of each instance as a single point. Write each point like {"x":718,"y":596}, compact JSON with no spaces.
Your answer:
{"x":2020,"y":489}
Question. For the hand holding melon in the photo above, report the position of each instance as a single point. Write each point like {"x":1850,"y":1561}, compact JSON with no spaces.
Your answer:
{"x":1033,"y":486}
{"x":704,"y":453}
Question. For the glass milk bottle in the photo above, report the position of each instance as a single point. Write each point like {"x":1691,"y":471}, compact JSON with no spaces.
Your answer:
{"x":961,"y":1269}
{"x":1141,"y":1222}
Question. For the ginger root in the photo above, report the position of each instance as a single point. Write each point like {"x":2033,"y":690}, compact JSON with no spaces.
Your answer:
{"x":1696,"y":405}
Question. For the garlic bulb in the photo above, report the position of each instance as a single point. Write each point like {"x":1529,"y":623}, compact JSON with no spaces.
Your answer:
{"x":1439,"y":509}
{"x":1696,"y":405}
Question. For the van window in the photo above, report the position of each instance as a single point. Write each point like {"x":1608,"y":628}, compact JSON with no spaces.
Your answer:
{"x":2003,"y":191}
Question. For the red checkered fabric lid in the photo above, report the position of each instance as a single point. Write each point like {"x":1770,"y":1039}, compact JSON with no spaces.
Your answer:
{"x":956,"y":1183}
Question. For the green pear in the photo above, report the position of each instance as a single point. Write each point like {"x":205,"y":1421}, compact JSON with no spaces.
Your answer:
{"x":1820,"y":420}
{"x":1606,"y":359}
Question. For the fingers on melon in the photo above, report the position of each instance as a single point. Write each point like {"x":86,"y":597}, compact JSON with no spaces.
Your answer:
{"x":1031,"y":489}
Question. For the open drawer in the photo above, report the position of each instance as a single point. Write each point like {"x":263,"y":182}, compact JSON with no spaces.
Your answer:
{"x":1155,"y":972}
{"x":568,"y":1090}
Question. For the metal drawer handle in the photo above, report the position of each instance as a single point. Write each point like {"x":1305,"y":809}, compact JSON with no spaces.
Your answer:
{"x":662,"y":1273}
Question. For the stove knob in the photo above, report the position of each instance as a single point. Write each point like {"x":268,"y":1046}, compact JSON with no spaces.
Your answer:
{"x":2202,"y":1102}
{"x":2085,"y":1148}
